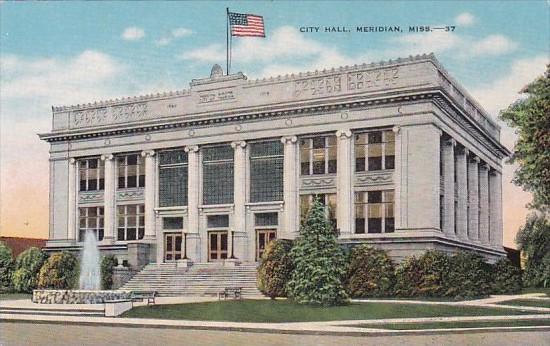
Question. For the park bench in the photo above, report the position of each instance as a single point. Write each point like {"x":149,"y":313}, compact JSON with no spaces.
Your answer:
{"x":142,"y":295}
{"x":230,"y":292}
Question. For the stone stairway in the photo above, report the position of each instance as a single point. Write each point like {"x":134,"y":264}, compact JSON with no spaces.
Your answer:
{"x":202,"y":279}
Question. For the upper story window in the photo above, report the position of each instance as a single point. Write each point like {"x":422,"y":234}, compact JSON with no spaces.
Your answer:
{"x":374,"y":212}
{"x":173,"y":168}
{"x":374,"y":151}
{"x":92,"y":174}
{"x":266,"y":171}
{"x":131,"y":222}
{"x":90,"y":219}
{"x":131,"y":171}
{"x":318,"y":155}
{"x":217,"y":169}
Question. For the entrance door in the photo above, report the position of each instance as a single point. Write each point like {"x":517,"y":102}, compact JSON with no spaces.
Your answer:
{"x":217,"y":245}
{"x":263,"y":238}
{"x":172,"y":247}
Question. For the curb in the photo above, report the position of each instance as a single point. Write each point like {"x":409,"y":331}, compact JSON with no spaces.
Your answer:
{"x":367,"y":332}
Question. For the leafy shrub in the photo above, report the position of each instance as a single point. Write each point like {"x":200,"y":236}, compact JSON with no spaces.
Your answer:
{"x":275,"y":268}
{"x":371,"y":273}
{"x":107,"y":264}
{"x":27,"y":266}
{"x":469,"y":276}
{"x":6,"y":265}
{"x":319,"y":263}
{"x":424,"y":276}
{"x":60,"y":271}
{"x":534,"y":239}
{"x":506,"y":278}
{"x":23,"y":280}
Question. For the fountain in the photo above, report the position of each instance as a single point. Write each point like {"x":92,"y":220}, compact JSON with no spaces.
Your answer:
{"x":90,"y":276}
{"x":89,"y":291}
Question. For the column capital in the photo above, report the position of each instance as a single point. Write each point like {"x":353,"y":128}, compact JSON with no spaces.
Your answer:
{"x":191,"y":149}
{"x":343,"y":134}
{"x":289,"y":139}
{"x":462,"y":150}
{"x":474,"y":159}
{"x":396,"y":129}
{"x":484,"y":166}
{"x":72,"y":160}
{"x":107,"y":157}
{"x":148,"y":153}
{"x":237,"y":144}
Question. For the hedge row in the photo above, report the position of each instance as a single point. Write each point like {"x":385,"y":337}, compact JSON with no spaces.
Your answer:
{"x":371,"y":273}
{"x":34,"y":269}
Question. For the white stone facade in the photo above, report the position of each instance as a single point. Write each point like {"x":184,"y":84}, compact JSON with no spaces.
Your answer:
{"x":436,"y":173}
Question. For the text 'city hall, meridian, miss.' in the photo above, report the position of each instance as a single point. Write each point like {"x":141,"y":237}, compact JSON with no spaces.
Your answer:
{"x":399,"y":153}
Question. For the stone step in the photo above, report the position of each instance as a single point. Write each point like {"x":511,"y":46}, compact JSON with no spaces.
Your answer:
{"x":52,"y":312}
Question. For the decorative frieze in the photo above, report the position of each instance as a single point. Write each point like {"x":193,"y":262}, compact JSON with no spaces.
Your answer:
{"x":130,"y":194}
{"x":110,"y":115}
{"x":373,"y":178}
{"x":90,"y":197}
{"x":318,"y":86}
{"x":370,"y":79}
{"x":321,"y":182}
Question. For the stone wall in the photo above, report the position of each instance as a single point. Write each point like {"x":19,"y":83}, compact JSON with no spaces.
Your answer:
{"x":77,"y":296}
{"x":122,"y":275}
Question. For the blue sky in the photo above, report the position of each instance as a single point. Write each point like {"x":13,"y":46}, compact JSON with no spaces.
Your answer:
{"x":54,"y":53}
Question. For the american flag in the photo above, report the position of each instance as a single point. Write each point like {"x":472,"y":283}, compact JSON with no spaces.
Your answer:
{"x":246,"y":25}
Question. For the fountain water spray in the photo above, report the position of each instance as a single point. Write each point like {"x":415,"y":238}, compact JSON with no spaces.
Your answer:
{"x":90,"y":276}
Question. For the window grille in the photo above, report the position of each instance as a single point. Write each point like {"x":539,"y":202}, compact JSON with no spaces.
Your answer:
{"x":374,"y":151}
{"x":374,"y":212}
{"x":92,"y":174}
{"x":130,"y":221}
{"x":318,"y":155}
{"x":172,"y":223}
{"x":131,"y":171}
{"x":266,"y":171}
{"x":90,"y":219}
{"x":218,"y":170}
{"x":266,"y":219}
{"x":173,"y":172}
{"x":217,"y":221}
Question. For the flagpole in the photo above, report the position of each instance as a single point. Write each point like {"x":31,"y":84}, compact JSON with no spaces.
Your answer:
{"x":227,"y":42}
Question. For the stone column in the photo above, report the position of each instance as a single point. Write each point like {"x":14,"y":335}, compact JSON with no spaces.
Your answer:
{"x":109,"y":199}
{"x":150,"y":178}
{"x":398,"y":185}
{"x":462,"y":192}
{"x":193,"y":185}
{"x":484,"y":203}
{"x":473,"y":198}
{"x":72,"y":195}
{"x":344,"y":183}
{"x":239,"y":201}
{"x":495,"y":225}
{"x":290,"y":191}
{"x":449,"y":187}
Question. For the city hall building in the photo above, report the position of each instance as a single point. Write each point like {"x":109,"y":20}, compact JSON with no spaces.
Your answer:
{"x":400,"y":154}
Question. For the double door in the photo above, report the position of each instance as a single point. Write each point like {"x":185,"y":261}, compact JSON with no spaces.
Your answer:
{"x":217,"y":245}
{"x":172,"y":247}
{"x":263,"y":237}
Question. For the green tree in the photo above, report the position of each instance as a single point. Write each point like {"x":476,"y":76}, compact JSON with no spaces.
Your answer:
{"x":534,"y":240}
{"x":424,"y":276}
{"x":27,"y":266}
{"x":60,"y":271}
{"x":6,"y":265}
{"x":506,"y":277}
{"x":319,"y":262}
{"x":108,"y":263}
{"x":530,"y":117}
{"x":275,"y":268}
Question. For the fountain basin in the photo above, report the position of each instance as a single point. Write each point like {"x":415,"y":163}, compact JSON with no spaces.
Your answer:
{"x":78,"y":296}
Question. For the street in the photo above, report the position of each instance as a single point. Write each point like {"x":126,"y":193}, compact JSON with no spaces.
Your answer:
{"x":12,"y":334}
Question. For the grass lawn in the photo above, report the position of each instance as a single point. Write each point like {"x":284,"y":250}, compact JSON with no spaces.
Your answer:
{"x":539,"y":303}
{"x":11,"y":296}
{"x":287,"y":311}
{"x":536,"y":290}
{"x":465,"y":324}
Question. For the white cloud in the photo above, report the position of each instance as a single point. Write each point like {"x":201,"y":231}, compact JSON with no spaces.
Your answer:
{"x":133,"y":33}
{"x":174,"y":34}
{"x":212,"y":53}
{"x":465,"y":19}
{"x":493,"y":45}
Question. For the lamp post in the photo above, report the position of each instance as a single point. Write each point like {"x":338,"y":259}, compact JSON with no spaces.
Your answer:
{"x":184,"y":245}
{"x":232,"y":245}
